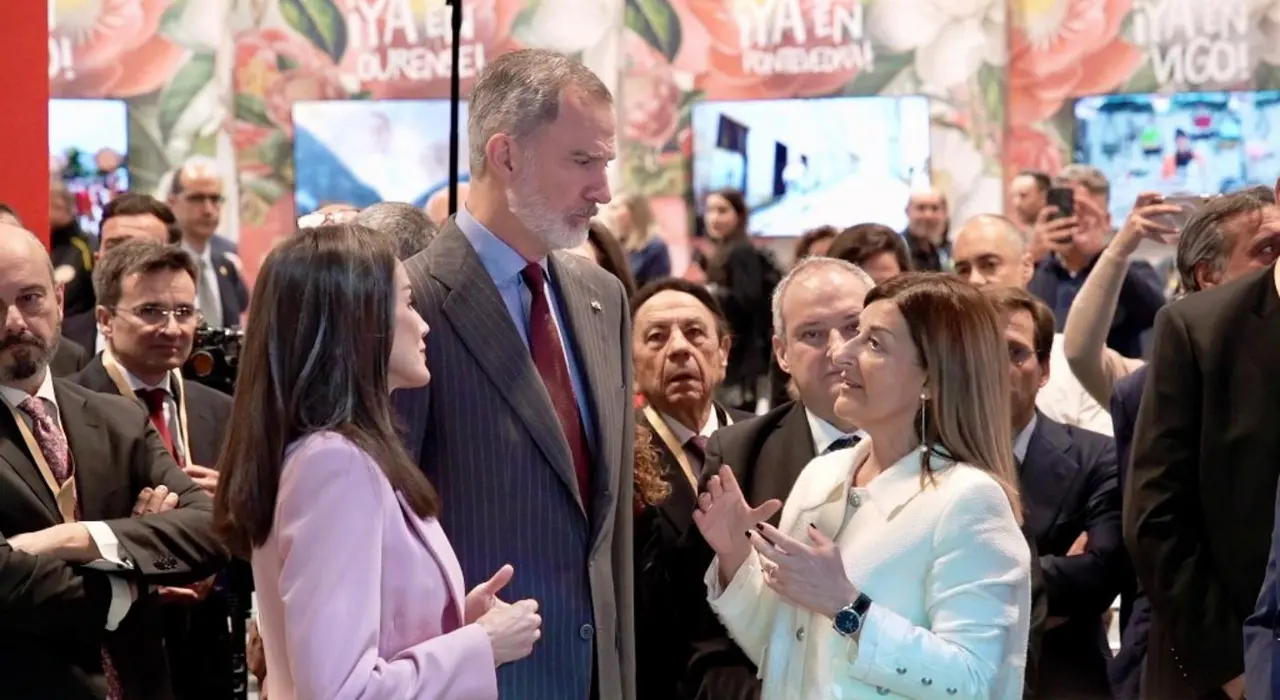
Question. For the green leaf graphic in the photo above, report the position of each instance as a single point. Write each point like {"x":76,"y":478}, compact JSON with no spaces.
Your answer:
{"x":285,"y":64}
{"x":252,"y":110}
{"x":884,"y":68}
{"x":319,"y":21}
{"x":191,"y":78}
{"x":657,"y":24}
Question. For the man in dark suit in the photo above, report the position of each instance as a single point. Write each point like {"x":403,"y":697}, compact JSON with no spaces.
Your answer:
{"x":1135,"y":609}
{"x":147,"y":292}
{"x":815,"y":311}
{"x":527,"y":429}
{"x":1262,"y":632}
{"x":75,"y":568}
{"x":130,"y":216}
{"x":1067,"y":477}
{"x":1199,"y":500}
{"x":195,"y":196}
{"x":680,"y":343}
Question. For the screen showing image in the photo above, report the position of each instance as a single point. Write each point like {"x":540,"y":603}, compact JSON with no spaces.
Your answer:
{"x":1188,"y":143}
{"x":806,"y":163}
{"x":88,"y":143}
{"x":364,"y":152}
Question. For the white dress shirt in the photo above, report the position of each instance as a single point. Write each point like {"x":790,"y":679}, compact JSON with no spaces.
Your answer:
{"x":1022,"y":440}
{"x":1065,"y":400}
{"x":108,"y":545}
{"x":682,"y":433}
{"x":824,"y":433}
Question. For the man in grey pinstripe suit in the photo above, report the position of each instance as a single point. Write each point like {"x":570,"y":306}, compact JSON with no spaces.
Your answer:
{"x":527,"y":429}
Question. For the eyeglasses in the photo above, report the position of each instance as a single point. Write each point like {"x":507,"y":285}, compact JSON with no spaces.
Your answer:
{"x":1019,"y":355}
{"x":157,"y":315}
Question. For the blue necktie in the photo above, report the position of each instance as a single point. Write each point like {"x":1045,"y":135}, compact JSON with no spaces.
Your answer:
{"x":842,"y":443}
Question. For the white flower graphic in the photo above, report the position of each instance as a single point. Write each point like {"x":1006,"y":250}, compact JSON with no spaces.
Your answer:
{"x":951,"y":38}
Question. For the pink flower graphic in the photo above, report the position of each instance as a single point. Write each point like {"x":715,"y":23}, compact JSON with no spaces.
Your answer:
{"x":116,"y":49}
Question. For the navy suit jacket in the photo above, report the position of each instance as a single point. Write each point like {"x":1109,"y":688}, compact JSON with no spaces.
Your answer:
{"x":1262,"y":631}
{"x":1135,"y":611}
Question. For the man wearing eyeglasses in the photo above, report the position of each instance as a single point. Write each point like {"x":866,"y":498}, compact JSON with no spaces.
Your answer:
{"x":1071,"y":495}
{"x":196,"y":198}
{"x":146,"y":291}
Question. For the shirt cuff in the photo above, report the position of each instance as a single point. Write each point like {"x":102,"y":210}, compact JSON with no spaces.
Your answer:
{"x":108,"y":548}
{"x":122,"y":595}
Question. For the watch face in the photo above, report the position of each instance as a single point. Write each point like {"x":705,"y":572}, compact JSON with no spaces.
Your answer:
{"x":847,"y":622}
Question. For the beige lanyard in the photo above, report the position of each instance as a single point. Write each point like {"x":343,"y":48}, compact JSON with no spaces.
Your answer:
{"x":64,"y":495}
{"x":116,"y":372}
{"x":673,"y":445}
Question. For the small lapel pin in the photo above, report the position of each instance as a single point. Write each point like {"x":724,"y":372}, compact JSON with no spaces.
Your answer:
{"x":223,"y":270}
{"x":595,"y":306}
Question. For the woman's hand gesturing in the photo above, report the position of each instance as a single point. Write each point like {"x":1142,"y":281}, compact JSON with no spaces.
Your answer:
{"x":724,"y":518}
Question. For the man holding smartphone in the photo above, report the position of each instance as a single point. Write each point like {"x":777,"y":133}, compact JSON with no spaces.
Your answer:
{"x":1074,"y":239}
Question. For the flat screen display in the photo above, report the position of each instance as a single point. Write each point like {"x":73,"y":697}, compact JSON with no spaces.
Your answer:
{"x":1187,"y":143}
{"x":363,"y":152}
{"x":805,"y":163}
{"x":88,"y":151}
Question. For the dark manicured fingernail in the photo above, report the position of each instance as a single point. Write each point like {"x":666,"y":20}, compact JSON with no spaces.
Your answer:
{"x":813,"y":526}
{"x":748,"y":533}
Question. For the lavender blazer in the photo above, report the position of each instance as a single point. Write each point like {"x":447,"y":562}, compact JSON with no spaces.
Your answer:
{"x":357,"y":596}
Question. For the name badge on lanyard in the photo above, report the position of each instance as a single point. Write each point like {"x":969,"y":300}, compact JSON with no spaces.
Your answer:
{"x":64,"y":495}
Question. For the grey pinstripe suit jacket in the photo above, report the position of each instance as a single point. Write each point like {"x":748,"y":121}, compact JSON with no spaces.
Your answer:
{"x":485,"y":433}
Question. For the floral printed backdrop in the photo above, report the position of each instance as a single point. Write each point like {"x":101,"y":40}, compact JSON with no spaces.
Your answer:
{"x":680,"y":51}
{"x":219,"y":77}
{"x":169,"y":60}
{"x":1065,"y":49}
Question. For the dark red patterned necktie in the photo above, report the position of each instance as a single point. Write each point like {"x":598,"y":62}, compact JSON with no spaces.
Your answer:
{"x":57,"y":453}
{"x":549,"y":357}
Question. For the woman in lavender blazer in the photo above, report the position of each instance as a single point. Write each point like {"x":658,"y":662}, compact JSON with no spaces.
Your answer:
{"x":359,"y":593}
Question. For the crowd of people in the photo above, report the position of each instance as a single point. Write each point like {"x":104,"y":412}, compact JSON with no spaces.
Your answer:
{"x":505,"y":453}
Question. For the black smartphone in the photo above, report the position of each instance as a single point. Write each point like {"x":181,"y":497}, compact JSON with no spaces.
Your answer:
{"x":1064,"y":198}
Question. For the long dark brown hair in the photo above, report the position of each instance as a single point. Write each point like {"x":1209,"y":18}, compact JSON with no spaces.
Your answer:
{"x":315,"y":358}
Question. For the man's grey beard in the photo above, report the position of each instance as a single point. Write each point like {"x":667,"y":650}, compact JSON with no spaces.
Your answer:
{"x":537,"y":215}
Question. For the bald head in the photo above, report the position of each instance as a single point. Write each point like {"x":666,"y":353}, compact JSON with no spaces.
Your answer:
{"x":32,"y":306}
{"x":989,"y":249}
{"x":195,"y":195}
{"x":438,"y":205}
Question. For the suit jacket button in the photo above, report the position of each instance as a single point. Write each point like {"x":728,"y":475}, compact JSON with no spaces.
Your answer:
{"x":586,"y":632}
{"x":951,"y":691}
{"x":800,"y":634}
{"x":926,"y":682}
{"x":881,"y":691}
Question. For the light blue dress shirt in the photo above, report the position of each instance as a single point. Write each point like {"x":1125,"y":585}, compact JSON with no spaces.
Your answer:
{"x":504,"y":266}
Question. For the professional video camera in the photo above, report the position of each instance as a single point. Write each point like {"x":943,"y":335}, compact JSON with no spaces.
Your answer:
{"x":215,"y":358}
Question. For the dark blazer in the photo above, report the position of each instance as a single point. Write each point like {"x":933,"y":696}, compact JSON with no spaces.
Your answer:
{"x":70,"y":357}
{"x":232,"y":290}
{"x":1135,"y":609}
{"x":1262,"y":632}
{"x":208,"y":410}
{"x":196,"y":635}
{"x":1198,"y":505}
{"x":485,"y":433}
{"x":82,"y":329}
{"x":1068,"y":484}
{"x":668,"y":584}
{"x":53,"y":614}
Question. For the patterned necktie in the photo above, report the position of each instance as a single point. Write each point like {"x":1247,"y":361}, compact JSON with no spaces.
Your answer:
{"x":843,"y":442}
{"x":49,"y":438}
{"x":57,"y":453}
{"x":549,"y":358}
{"x":698,"y":446}
{"x":154,"y":399}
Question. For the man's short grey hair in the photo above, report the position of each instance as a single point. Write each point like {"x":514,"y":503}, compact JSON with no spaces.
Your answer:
{"x":802,"y":268}
{"x":519,"y":92}
{"x":1204,"y":240}
{"x":407,"y":225}
{"x":1088,"y":177}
